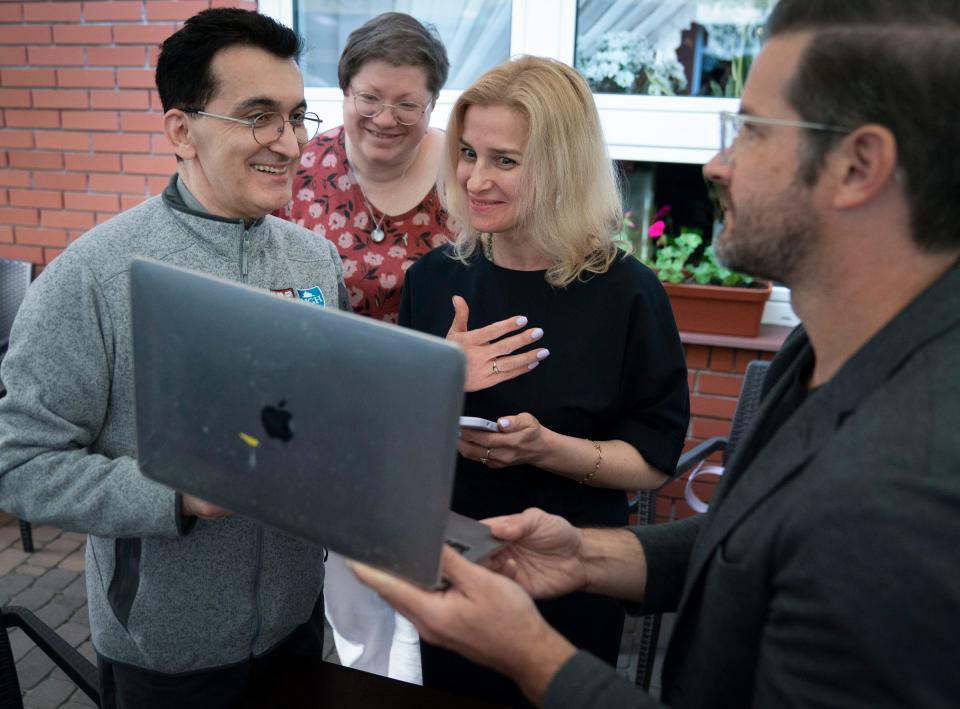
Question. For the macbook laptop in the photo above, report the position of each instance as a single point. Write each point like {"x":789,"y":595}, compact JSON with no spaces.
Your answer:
{"x":327,"y":425}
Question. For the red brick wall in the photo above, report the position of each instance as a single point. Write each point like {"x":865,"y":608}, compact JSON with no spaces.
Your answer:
{"x":715,"y":377}
{"x":79,"y":118}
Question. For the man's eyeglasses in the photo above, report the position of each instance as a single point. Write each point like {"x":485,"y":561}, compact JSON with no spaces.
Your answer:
{"x":732,"y":123}
{"x":268,"y":127}
{"x":371,"y":105}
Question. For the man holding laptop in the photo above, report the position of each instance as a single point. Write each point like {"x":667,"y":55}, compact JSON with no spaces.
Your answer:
{"x":189,"y":605}
{"x":825,"y":572}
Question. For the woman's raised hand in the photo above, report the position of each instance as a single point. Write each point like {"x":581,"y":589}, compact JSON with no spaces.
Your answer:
{"x":489,"y":362}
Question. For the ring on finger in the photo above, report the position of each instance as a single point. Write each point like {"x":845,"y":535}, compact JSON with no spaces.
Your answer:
{"x":496,"y":369}
{"x":486,"y":457}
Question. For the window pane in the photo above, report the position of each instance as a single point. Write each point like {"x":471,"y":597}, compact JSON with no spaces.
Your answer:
{"x":669,"y":47}
{"x":475,"y":32}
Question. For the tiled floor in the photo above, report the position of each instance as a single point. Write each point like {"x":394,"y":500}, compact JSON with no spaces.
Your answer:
{"x":50,"y":583}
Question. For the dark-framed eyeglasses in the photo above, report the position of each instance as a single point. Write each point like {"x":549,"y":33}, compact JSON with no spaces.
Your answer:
{"x":370,"y":105}
{"x":731,"y":123}
{"x":267,"y":128}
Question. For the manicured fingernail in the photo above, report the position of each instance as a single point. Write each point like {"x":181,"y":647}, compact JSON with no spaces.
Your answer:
{"x":543,"y":354}
{"x":521,"y":321}
{"x":533,"y":365}
{"x":503,"y":423}
{"x":536,"y":334}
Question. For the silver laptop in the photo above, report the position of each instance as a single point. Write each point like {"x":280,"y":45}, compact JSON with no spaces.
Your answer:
{"x":332,"y":427}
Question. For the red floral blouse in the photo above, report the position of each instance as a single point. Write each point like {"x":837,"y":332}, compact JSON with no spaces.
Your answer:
{"x":328,"y":201}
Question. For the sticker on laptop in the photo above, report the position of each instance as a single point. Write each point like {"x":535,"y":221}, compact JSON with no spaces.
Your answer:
{"x":284,"y":292}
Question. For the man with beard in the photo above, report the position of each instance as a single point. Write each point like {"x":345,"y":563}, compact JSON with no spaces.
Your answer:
{"x":825,"y":572}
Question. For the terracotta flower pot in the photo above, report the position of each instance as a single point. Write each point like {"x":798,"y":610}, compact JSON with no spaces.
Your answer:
{"x":718,"y":310}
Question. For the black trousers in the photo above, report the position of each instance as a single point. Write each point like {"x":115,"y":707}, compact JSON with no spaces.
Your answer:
{"x":247,"y":685}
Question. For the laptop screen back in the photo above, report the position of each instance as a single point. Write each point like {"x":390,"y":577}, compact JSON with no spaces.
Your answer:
{"x":327,"y":425}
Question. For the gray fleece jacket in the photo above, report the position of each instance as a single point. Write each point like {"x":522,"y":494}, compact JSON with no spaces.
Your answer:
{"x":161,"y":596}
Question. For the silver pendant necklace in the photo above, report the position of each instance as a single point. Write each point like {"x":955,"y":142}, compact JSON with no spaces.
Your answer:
{"x":377,"y":235}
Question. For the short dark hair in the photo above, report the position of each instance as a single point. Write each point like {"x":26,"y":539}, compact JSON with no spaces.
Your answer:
{"x":400,"y":40}
{"x":900,"y":78}
{"x":183,"y":68}
{"x":801,"y":15}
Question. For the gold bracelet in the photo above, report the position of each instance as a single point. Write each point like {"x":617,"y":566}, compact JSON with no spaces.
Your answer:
{"x":596,"y":467}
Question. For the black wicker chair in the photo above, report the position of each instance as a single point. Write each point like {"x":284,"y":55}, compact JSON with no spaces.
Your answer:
{"x":645,"y":503}
{"x":74,"y":665}
{"x":15,"y":276}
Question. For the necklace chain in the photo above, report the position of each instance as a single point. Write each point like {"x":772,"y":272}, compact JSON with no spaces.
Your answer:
{"x":486,"y":243}
{"x":383,"y":215}
{"x":377,"y":233}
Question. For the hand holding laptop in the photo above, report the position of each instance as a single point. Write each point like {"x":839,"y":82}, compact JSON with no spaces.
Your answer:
{"x":543,"y":553}
{"x":482,"y":615}
{"x":192,"y":506}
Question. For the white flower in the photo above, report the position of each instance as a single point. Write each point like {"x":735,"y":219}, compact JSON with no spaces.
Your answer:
{"x":305,"y":195}
{"x":349,"y":268}
{"x":361,"y":220}
{"x":344,"y":183}
{"x":421,"y":218}
{"x":397,"y":251}
{"x":319,"y":230}
{"x":626,"y":61}
{"x":388,"y":280}
{"x":356,"y":296}
{"x":405,"y":265}
{"x":315,"y":210}
{"x":373,"y":259}
{"x":308,"y":159}
{"x":329,"y":160}
{"x":336,"y":220}
{"x":438,"y":240}
{"x":345,"y":240}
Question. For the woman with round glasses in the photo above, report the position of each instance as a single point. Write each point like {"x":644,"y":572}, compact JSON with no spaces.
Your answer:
{"x":528,"y":178}
{"x":369,"y":185}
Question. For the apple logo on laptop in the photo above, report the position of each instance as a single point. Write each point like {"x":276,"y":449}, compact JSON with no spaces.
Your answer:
{"x":276,"y":421}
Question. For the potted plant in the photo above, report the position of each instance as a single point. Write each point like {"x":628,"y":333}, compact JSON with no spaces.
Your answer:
{"x":705,"y":295}
{"x":624,"y":62}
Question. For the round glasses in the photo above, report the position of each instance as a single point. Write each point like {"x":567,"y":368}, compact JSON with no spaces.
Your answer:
{"x":268,"y":127}
{"x":369,"y":106}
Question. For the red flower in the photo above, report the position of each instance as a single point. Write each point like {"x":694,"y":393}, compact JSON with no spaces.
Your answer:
{"x":656,"y":229}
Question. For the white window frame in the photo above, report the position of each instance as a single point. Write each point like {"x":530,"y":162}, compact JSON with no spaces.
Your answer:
{"x":678,"y":129}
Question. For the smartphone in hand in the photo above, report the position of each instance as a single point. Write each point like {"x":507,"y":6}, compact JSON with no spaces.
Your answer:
{"x":479,"y":424}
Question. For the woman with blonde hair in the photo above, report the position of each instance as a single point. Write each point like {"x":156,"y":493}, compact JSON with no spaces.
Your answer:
{"x":369,"y":187}
{"x":535,"y":204}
